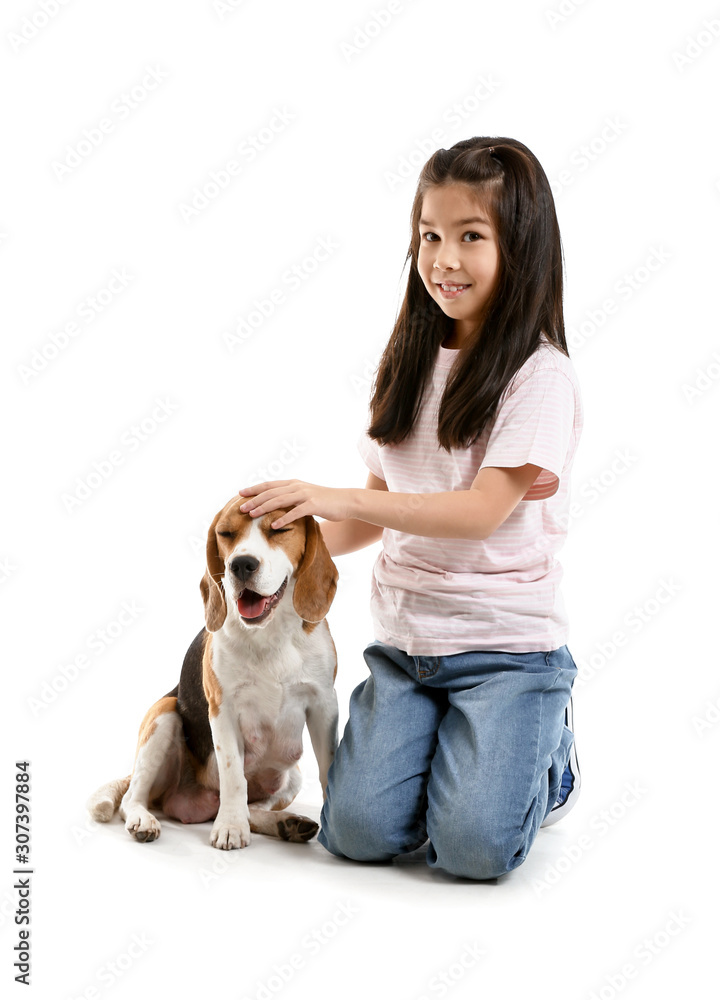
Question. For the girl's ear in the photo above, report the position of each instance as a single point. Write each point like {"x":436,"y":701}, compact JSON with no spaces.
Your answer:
{"x":211,"y":586}
{"x":316,"y":577}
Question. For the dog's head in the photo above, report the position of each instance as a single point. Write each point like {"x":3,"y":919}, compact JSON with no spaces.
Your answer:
{"x":249,"y":566}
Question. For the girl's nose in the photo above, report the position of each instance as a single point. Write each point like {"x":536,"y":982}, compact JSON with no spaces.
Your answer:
{"x":446,"y":262}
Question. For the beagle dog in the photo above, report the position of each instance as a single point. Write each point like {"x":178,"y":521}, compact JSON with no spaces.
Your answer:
{"x":225,"y":743}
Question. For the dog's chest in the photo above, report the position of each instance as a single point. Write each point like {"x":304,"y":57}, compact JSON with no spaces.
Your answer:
{"x":268,"y":696}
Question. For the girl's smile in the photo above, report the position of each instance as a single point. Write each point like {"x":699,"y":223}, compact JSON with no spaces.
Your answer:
{"x":449,"y":290}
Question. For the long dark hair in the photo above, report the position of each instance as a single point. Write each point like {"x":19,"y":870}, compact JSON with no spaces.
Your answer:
{"x":527,"y":299}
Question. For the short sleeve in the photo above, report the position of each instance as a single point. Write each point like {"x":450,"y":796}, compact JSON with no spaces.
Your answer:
{"x":369,"y":450}
{"x":535,"y":425}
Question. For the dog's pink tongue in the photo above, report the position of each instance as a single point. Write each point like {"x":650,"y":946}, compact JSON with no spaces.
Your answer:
{"x":251,"y":605}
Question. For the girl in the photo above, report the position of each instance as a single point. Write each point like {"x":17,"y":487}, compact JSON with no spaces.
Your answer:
{"x":462,"y":734}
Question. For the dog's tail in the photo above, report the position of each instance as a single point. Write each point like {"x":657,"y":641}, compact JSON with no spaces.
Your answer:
{"x":103,"y":803}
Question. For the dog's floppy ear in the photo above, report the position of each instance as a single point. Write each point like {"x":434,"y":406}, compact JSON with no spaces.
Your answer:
{"x":316,"y":580}
{"x":211,"y":587}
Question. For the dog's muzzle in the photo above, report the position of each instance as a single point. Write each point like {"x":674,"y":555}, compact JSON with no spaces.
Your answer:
{"x":254,"y":607}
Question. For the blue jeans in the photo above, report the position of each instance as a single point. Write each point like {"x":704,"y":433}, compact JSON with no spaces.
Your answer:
{"x":465,"y":751}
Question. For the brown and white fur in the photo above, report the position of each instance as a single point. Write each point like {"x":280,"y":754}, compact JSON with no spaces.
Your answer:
{"x":225,"y":743}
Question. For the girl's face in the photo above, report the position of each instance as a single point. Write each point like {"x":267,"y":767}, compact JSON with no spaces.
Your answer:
{"x":458,"y":245}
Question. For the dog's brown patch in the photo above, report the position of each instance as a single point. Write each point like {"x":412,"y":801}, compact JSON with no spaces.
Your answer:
{"x":211,"y":685}
{"x":149,"y":723}
{"x":316,"y":577}
{"x":292,"y":542}
{"x":282,"y":804}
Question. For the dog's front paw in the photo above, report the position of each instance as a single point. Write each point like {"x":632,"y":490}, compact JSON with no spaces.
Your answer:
{"x":230,"y":835}
{"x":142,"y":825}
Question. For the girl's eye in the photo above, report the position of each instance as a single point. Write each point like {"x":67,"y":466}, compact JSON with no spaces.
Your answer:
{"x":424,"y":237}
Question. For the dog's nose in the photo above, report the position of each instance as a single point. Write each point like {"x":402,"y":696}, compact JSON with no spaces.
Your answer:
{"x":243,"y":566}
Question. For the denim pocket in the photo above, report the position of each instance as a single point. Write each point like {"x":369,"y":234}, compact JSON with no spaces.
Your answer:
{"x":530,"y":663}
{"x":560,"y":659}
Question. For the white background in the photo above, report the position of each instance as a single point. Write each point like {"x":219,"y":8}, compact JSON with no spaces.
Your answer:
{"x":617,"y":100}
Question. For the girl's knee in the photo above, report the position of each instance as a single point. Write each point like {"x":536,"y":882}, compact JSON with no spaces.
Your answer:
{"x":475,"y":850}
{"x":481,"y":863}
{"x":355,"y":828}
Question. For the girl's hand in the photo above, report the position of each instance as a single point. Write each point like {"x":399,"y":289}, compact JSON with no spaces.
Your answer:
{"x":303,"y":498}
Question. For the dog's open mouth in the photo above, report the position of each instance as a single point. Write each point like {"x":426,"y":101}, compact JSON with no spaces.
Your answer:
{"x":254,"y":607}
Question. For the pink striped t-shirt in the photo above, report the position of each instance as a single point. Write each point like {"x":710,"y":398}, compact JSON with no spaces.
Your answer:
{"x":437,"y":596}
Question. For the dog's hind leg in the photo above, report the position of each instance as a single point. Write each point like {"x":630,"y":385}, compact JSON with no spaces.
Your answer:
{"x":158,"y":765}
{"x":102,"y":804}
{"x":283,"y":824}
{"x":271,"y":817}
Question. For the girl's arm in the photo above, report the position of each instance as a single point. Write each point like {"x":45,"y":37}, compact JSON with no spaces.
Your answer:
{"x":474,"y":513}
{"x":351,"y":534}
